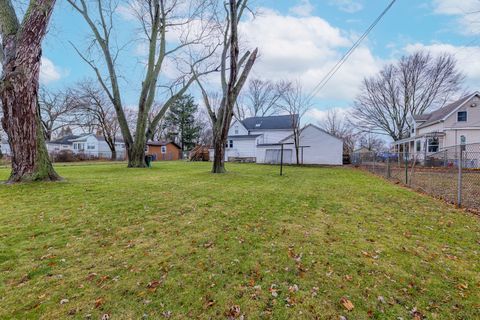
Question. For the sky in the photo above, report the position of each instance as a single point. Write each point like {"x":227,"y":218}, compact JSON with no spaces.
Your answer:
{"x":298,"y":40}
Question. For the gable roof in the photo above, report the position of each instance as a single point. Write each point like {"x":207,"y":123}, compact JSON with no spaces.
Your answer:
{"x":315,"y":127}
{"x":65,"y":139}
{"x":269,"y":123}
{"x":442,"y":113}
{"x":162,"y":143}
{"x":84,"y":137}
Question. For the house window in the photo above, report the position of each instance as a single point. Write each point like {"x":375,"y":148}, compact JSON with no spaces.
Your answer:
{"x":231,"y":143}
{"x":462,"y":116}
{"x":433,"y":145}
{"x":419,"y":146}
{"x":236,"y":129}
{"x":463,"y":143}
{"x":91,"y":147}
{"x":163,"y":149}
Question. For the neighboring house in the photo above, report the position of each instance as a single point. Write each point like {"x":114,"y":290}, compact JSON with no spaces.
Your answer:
{"x":63,"y":143}
{"x":164,"y":150}
{"x":258,"y":140}
{"x":95,"y":146}
{"x":5,"y":147}
{"x":454,"y":125}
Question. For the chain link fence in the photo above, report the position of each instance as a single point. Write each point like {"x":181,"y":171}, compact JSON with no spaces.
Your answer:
{"x":452,"y":173}
{"x":70,"y":156}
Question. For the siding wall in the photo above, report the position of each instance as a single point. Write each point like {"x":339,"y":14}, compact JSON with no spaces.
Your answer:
{"x":173,"y":153}
{"x":241,"y":148}
{"x":454,"y":129}
{"x":236,"y":125}
{"x":324,"y":148}
{"x":272,"y":136}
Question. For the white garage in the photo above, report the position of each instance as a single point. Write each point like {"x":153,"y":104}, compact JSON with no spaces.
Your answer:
{"x":316,"y":147}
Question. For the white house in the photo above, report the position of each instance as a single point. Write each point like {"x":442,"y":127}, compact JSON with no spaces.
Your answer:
{"x":259,"y":139}
{"x":90,"y":145}
{"x":95,"y":146}
{"x":451,"y":127}
{"x":63,"y":143}
{"x":5,"y":147}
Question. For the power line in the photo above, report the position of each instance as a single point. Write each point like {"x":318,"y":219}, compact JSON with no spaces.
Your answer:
{"x":345,"y":57}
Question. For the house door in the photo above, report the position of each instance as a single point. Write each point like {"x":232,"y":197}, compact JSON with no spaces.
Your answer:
{"x":273,"y":156}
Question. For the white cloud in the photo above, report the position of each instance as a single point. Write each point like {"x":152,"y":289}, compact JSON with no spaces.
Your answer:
{"x":318,"y":116}
{"x":349,"y":6}
{"x":466,"y":58}
{"x":49,"y":72}
{"x":466,"y":11}
{"x":305,"y":49}
{"x":303,"y":9}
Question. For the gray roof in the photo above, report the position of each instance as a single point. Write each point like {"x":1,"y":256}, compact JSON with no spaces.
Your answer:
{"x":64,"y":140}
{"x":421,"y":117}
{"x":437,"y":115}
{"x":269,"y":123}
{"x":248,"y":136}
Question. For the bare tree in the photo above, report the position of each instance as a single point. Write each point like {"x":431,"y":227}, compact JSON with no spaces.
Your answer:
{"x":337,"y":124}
{"x":96,"y":111}
{"x":234,"y":71}
{"x":20,"y":54}
{"x":262,"y":97}
{"x":56,"y":111}
{"x":296,"y":105}
{"x":412,"y":86}
{"x":371,"y":142}
{"x":190,"y":22}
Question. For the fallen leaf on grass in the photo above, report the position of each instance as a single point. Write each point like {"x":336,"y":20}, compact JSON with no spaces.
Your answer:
{"x":233,"y":312}
{"x":209,"y":303}
{"x":417,"y":315}
{"x":462,"y":286}
{"x":208,"y":245}
{"x":347,"y":304}
{"x":99,"y":302}
{"x":153,"y":285}
{"x":91,"y":276}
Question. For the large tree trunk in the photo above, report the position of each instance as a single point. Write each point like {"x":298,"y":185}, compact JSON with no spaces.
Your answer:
{"x":21,"y":122}
{"x":219,"y":155}
{"x":136,"y":154}
{"x":19,"y":94}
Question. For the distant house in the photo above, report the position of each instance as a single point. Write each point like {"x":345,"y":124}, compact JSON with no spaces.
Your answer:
{"x":95,"y":146}
{"x":164,"y":150}
{"x":63,"y":143}
{"x":258,"y":140}
{"x":5,"y":147}
{"x":456,"y":124}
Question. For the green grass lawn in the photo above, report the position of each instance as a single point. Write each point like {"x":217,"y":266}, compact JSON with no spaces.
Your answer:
{"x":176,"y":241}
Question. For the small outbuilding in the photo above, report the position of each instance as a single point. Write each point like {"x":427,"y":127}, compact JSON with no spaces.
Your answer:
{"x":164,"y":150}
{"x":317,"y":147}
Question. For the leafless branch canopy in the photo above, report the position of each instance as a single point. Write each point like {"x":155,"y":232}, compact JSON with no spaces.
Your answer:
{"x":414,"y":85}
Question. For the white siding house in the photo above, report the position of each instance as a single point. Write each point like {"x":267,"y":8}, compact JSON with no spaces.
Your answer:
{"x":258,"y":140}
{"x":96,"y":146}
{"x":454,"y":125}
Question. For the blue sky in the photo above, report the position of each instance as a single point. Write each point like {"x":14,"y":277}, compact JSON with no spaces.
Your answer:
{"x":301,"y":40}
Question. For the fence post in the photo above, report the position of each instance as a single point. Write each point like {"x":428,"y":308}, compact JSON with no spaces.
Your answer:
{"x":459,"y":186}
{"x":374,"y":160}
{"x":388,"y":166}
{"x":406,"y":167}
